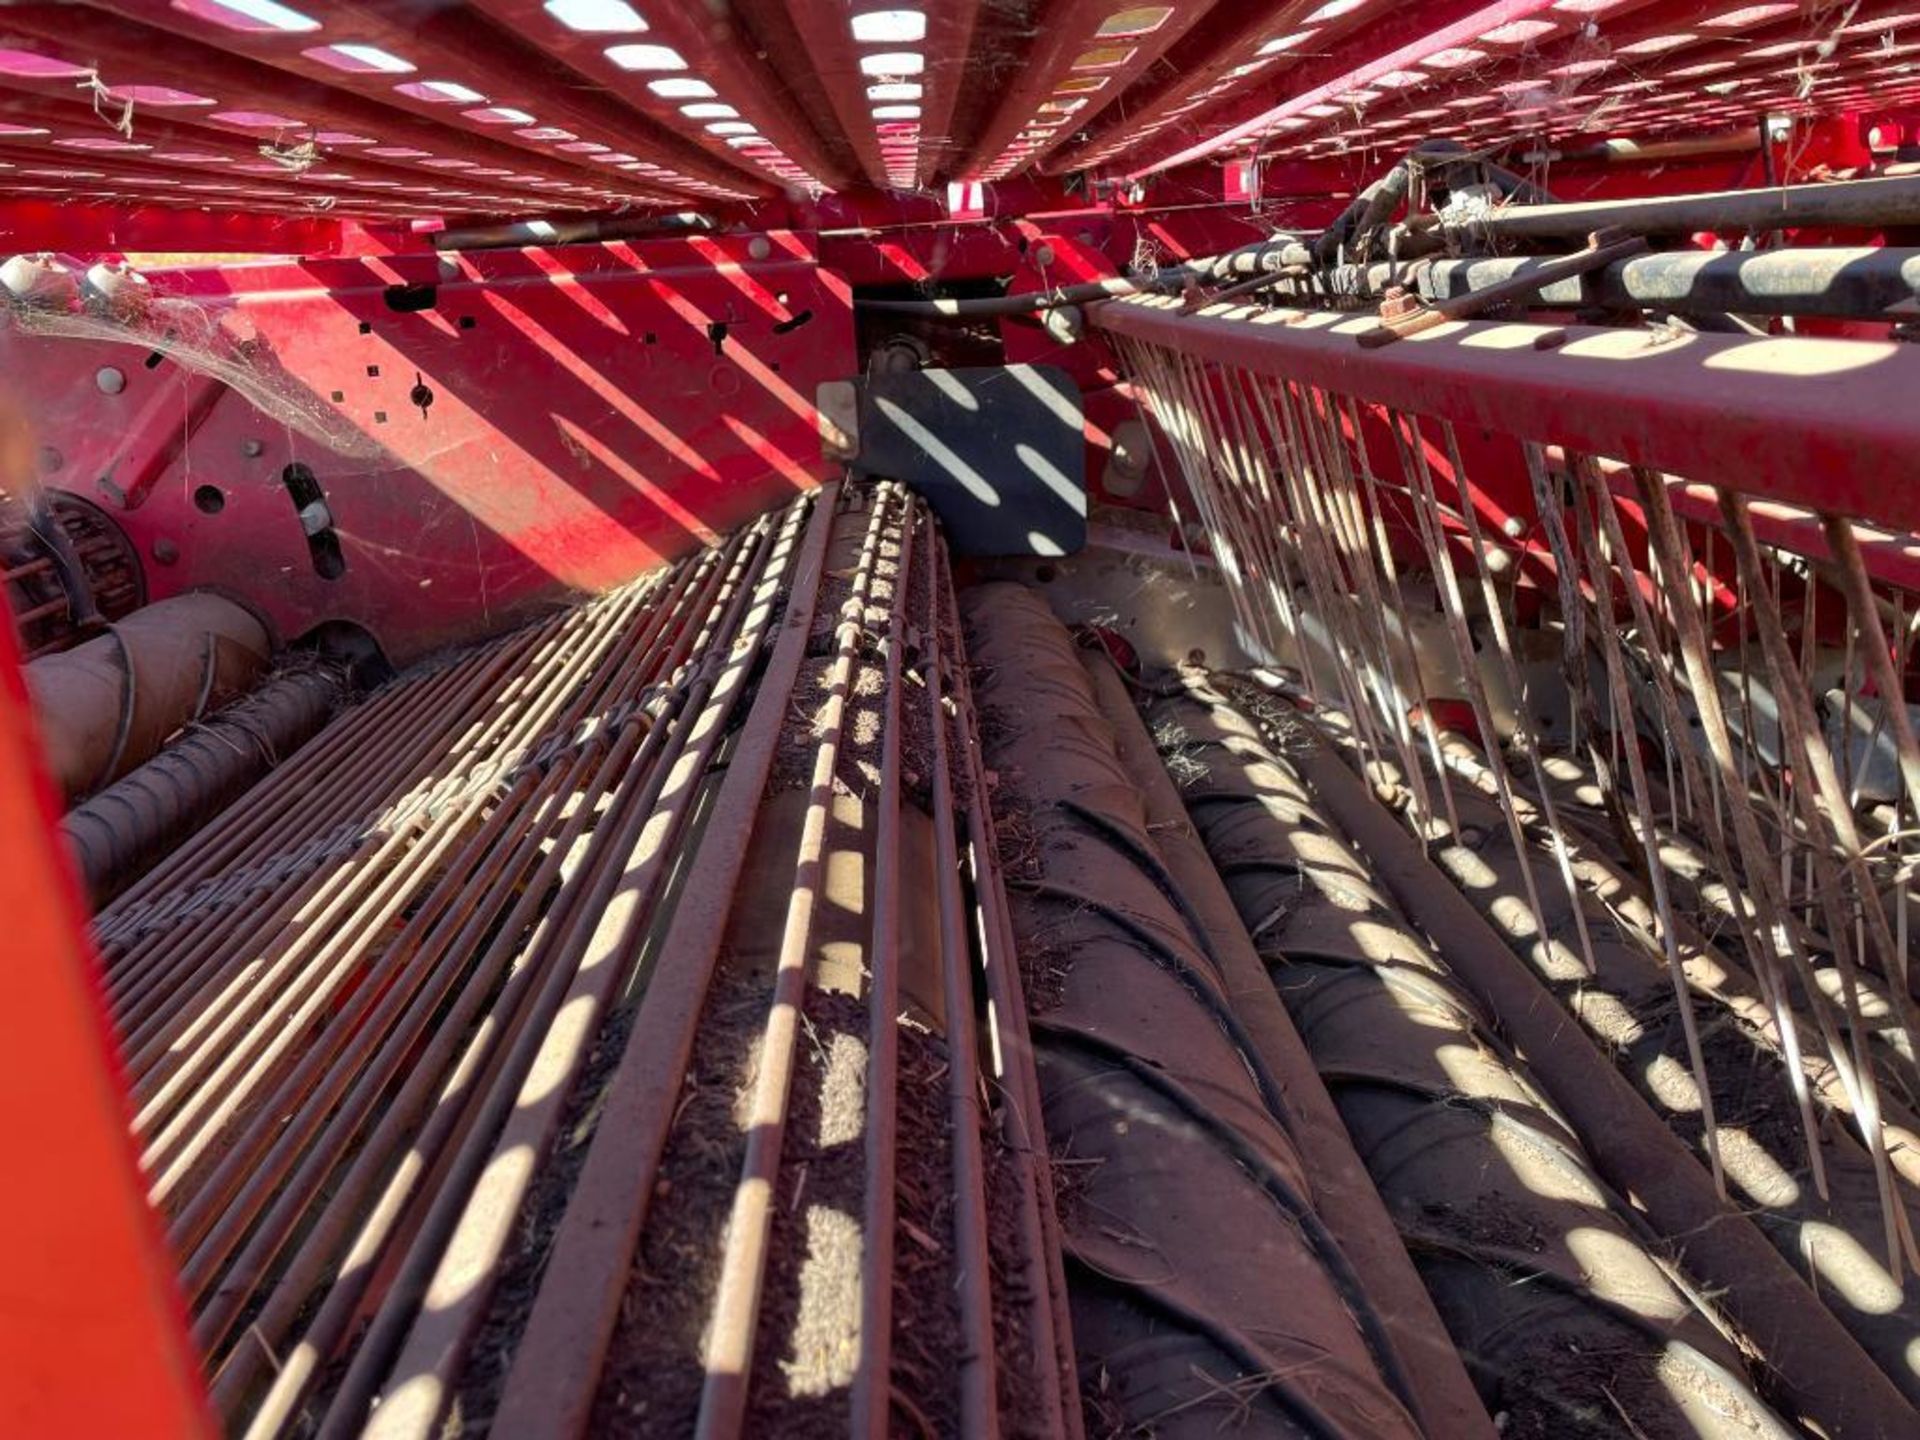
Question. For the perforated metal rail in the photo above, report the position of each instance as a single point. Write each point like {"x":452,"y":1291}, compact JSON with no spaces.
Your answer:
{"x":513,"y":107}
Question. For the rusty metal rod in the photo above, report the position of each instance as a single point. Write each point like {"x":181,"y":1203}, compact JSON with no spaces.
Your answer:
{"x":721,"y":655}
{"x":360,"y":897}
{"x":1010,"y":1038}
{"x":979,"y":1402}
{"x":736,"y":1305}
{"x":872,"y":1398}
{"x":484,"y":1061}
{"x":551,"y":1383}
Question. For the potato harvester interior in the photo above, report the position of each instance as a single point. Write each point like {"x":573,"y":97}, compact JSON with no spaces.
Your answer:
{"x":1051,"y":719}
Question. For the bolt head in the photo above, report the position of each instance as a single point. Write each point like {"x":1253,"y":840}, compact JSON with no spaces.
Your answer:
{"x":165,"y":552}
{"x":110,"y":379}
{"x":40,"y":279}
{"x":1398,"y":302}
{"x":759,"y":248}
{"x":253,"y":449}
{"x":115,"y":286}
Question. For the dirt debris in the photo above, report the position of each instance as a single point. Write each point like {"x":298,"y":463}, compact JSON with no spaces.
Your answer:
{"x":926,"y":1311}
{"x":808,"y":1342}
{"x":650,"y":1385}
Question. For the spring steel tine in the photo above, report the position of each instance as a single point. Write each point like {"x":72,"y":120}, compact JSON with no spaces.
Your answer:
{"x":1453,"y":606}
{"x":1389,"y":568}
{"x":1665,"y":539}
{"x":1830,"y":824}
{"x":1600,"y":576}
{"x":1524,"y":732}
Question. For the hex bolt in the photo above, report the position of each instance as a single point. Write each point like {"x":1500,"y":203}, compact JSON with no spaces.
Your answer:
{"x":165,"y":552}
{"x":316,"y":518}
{"x":117,"y":287}
{"x":759,"y":248}
{"x":110,"y":380}
{"x":1398,"y":302}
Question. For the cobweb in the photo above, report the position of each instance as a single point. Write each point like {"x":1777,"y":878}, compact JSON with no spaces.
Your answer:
{"x":190,"y":333}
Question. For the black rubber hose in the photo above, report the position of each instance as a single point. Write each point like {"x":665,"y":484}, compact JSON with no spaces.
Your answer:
{"x":1028,"y":302}
{"x":1374,"y":205}
{"x":1165,"y":1125}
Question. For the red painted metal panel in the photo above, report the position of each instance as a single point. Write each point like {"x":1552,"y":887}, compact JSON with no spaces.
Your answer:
{"x":1206,"y":63}
{"x":92,"y":1332}
{"x":1333,"y":78}
{"x":523,"y":108}
{"x":423,"y":168}
{"x":546,"y":423}
{"x":451,"y":169}
{"x":1401,"y":73}
{"x":952,"y":25}
{"x":92,"y":229}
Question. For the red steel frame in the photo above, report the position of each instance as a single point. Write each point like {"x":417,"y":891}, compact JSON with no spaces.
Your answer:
{"x":1382,"y":76}
{"x":93,"y":1333}
{"x":515,"y":107}
{"x":1819,"y":424}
